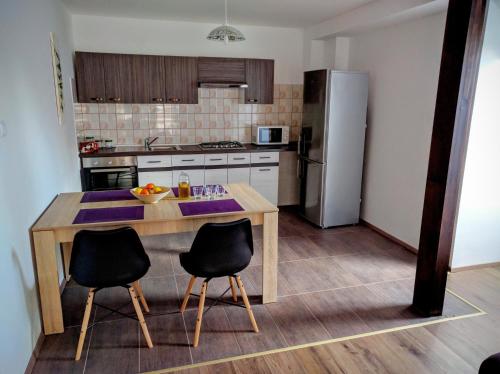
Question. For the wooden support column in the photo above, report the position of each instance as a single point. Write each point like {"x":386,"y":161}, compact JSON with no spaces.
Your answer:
{"x":460,"y":59}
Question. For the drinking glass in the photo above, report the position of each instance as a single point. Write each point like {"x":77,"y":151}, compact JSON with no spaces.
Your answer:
{"x":197,"y":192}
{"x":219,"y":190}
{"x":210,"y":192}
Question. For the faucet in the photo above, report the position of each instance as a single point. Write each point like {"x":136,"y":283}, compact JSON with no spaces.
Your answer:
{"x":148,"y":141}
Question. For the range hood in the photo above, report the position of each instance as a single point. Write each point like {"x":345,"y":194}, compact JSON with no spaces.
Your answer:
{"x":222,"y":84}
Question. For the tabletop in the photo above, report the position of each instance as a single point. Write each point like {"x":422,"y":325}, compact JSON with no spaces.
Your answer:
{"x":63,"y":210}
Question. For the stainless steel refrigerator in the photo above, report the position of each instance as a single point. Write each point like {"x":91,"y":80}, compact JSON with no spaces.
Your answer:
{"x":331,"y":146}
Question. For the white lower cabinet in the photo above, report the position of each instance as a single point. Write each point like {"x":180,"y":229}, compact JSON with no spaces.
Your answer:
{"x":265,"y":181}
{"x":160,"y":178}
{"x":196,"y":176}
{"x":216,"y":176}
{"x":238,"y":175}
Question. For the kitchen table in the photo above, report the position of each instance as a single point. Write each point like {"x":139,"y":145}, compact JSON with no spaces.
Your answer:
{"x":55,"y":228}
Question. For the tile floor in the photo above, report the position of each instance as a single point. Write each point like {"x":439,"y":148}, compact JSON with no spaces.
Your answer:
{"x":332,"y":283}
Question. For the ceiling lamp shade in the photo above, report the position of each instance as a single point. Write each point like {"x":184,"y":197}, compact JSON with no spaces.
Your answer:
{"x":226,"y":33}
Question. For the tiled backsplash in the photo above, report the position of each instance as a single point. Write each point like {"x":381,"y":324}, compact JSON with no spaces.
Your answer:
{"x":217,"y":116}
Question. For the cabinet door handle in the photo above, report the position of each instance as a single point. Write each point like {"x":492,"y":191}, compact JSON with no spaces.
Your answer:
{"x":264,"y":157}
{"x":189,"y":160}
{"x":115,"y":99}
{"x":93,"y":98}
{"x":157,"y":99}
{"x":154,"y":162}
{"x":253,"y":100}
{"x":238,"y":158}
{"x":264,"y":169}
{"x":215,"y":159}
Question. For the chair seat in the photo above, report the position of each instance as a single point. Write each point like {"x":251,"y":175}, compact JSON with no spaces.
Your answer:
{"x":209,"y":266}
{"x":120,"y":278}
{"x":491,"y":365}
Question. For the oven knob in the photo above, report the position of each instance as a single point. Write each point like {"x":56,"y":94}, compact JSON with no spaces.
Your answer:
{"x":110,"y":162}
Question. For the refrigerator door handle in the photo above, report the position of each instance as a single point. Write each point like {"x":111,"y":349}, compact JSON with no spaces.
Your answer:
{"x":298,"y":144}
{"x":298,"y":168}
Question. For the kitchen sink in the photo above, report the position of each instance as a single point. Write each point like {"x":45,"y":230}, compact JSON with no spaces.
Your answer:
{"x":160,"y":147}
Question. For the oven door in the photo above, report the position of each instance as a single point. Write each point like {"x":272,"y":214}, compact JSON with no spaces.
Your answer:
{"x":118,"y":178}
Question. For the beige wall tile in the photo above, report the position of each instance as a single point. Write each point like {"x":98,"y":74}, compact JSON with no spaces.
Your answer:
{"x":124,"y":121}
{"x":107,"y":121}
{"x":139,"y":136}
{"x":107,"y":108}
{"x":203,"y":92}
{"x":172,"y":136}
{"x":202,"y":135}
{"x":201,"y":121}
{"x":140,"y":108}
{"x":123,"y":108}
{"x":258,"y":119}
{"x":188,"y":136}
{"x":156,"y":121}
{"x":140,"y":121}
{"x":285,"y":119}
{"x":296,"y":119}
{"x":297,"y":106}
{"x":297,"y":91}
{"x":125,"y":137}
{"x":156,"y":108}
{"x":109,"y":134}
{"x":244,"y":134}
{"x":79,"y":124}
{"x":285,"y":106}
{"x":216,"y":135}
{"x":244,"y":120}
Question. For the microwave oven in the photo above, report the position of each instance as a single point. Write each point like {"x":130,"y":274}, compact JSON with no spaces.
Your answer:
{"x":270,"y":135}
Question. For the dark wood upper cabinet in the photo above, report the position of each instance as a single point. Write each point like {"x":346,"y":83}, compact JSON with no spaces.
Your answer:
{"x":181,"y":79}
{"x":118,"y":77}
{"x":89,"y":71}
{"x":121,"y":78}
{"x":260,"y":79}
{"x":221,"y":70}
{"x":155,"y":80}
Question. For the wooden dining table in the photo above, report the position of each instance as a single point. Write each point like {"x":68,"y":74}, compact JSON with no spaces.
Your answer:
{"x":55,"y":230}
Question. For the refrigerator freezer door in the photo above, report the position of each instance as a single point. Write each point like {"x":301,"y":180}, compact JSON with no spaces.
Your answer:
{"x":311,"y":176}
{"x":313,"y":134}
{"x":346,"y":139}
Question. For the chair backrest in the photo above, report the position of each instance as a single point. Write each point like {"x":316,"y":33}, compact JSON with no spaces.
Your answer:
{"x":108,"y":258}
{"x":229,"y":242}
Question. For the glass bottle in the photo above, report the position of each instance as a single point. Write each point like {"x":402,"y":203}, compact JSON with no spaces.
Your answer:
{"x":184,"y":186}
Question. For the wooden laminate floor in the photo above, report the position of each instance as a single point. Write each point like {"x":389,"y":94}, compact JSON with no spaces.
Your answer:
{"x":332,"y":283}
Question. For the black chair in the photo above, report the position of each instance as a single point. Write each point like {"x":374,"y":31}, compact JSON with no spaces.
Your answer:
{"x":219,"y":250}
{"x":491,"y":365}
{"x":110,"y":258}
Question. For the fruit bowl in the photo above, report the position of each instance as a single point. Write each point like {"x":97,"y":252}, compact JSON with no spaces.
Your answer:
{"x":152,"y":198}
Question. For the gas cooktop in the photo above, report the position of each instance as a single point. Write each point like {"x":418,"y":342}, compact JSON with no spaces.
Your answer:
{"x":221,"y":145}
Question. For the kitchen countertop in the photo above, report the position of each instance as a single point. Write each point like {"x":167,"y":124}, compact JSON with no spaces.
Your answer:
{"x":185,"y":149}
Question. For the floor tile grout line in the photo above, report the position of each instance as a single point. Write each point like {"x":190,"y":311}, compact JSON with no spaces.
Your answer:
{"x":276,"y":324}
{"x":182,"y":316}
{"x":347,"y":287}
{"x":317,"y":319}
{"x":90,"y":341}
{"x":233,"y":331}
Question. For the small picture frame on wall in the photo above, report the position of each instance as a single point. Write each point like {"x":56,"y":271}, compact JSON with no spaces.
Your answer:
{"x":58,"y":80}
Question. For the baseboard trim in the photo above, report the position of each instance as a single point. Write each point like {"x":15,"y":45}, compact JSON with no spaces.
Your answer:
{"x":35,"y":354}
{"x":389,"y":236}
{"x":474,"y":267}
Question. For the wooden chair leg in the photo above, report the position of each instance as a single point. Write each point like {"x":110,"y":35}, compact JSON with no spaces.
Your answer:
{"x":201,"y":306}
{"x":85,"y":323}
{"x":247,"y":303}
{"x":233,"y":289}
{"x":138,"y":289}
{"x":140,"y":316}
{"x":188,"y":292}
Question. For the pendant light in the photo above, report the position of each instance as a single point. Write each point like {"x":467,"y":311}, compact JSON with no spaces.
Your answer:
{"x":226,"y":33}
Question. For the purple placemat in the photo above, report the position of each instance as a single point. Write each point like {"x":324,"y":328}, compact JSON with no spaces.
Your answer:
{"x":113,"y":195}
{"x":122,"y":213}
{"x":209,"y":207}
{"x":175,"y":190}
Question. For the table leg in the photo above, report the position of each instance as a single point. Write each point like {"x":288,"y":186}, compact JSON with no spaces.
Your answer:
{"x":48,"y":283}
{"x":66,"y":252}
{"x":270,"y":258}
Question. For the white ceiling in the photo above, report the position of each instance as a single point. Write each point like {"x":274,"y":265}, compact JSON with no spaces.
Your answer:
{"x":282,"y":13}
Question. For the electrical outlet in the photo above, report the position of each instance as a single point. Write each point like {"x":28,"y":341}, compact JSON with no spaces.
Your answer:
{"x":3,"y":129}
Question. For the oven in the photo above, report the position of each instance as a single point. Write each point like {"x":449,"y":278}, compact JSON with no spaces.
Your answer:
{"x":109,"y":173}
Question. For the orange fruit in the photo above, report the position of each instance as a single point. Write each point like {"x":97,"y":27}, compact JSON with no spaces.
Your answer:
{"x":150,"y":186}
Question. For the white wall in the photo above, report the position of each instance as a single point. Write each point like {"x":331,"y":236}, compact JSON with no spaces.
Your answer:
{"x":124,"y":35}
{"x":403,"y":62}
{"x":477,"y":235}
{"x":38,"y":159}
